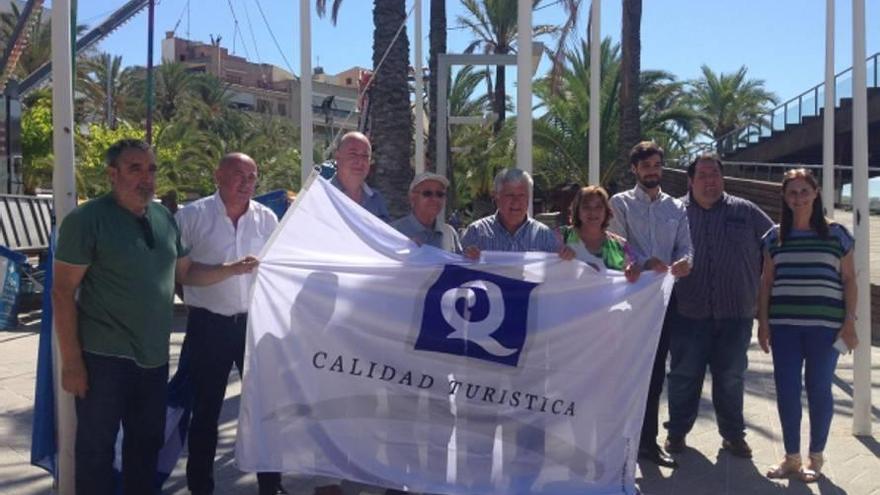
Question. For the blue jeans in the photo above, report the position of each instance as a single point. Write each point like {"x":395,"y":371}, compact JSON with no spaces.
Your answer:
{"x":119,"y":391}
{"x":808,"y":348}
{"x":720,"y":345}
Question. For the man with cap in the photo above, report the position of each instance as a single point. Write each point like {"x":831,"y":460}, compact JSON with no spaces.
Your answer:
{"x":427,"y":198}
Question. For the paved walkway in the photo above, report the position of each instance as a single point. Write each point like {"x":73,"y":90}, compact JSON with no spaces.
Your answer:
{"x":853,"y":465}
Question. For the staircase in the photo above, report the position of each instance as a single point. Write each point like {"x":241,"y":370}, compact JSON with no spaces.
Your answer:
{"x":792,"y":132}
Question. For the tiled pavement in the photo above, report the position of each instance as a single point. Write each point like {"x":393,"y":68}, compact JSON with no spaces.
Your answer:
{"x":853,"y":465}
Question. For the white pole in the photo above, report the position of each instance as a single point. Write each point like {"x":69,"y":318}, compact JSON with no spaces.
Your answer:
{"x":420,"y":102}
{"x":861,"y":221}
{"x":595,"y":91}
{"x":64,"y":194}
{"x":524,"y":86}
{"x":828,"y":121}
{"x":305,"y":88}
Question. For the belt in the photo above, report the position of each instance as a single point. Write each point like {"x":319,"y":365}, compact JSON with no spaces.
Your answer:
{"x":236,"y":318}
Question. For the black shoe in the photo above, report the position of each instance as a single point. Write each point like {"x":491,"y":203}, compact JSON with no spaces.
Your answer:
{"x":674,"y":444}
{"x":656,"y":455}
{"x":738,"y":448}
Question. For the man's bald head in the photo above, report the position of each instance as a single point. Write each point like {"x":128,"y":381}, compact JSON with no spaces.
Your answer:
{"x":236,"y":178}
{"x":353,"y":160}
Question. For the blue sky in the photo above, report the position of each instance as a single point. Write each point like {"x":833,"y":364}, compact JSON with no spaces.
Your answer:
{"x":780,"y":41}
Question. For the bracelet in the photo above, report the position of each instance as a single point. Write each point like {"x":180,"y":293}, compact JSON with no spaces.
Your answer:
{"x":852,"y":316}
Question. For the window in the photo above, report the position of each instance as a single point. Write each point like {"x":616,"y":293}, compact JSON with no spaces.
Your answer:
{"x":282,"y":109}
{"x":263,"y":106}
{"x":182,"y":57}
{"x":348,"y":81}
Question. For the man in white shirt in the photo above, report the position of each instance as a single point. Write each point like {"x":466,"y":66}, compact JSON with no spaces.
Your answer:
{"x":219,"y":228}
{"x":656,"y":225}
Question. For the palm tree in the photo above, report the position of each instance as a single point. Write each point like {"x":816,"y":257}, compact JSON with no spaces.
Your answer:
{"x":631,"y":47}
{"x":100,"y":73}
{"x":561,"y":134}
{"x":391,"y":120}
{"x":437,"y":42}
{"x":726,"y":102}
{"x":494,"y":26}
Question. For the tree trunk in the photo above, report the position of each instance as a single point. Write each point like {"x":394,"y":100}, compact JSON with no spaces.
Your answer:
{"x":437,"y":46}
{"x":500,"y":103}
{"x":392,"y":125}
{"x":630,"y":68}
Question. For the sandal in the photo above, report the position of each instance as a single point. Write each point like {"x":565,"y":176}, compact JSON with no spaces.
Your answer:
{"x":789,"y":466}
{"x":813,"y":471}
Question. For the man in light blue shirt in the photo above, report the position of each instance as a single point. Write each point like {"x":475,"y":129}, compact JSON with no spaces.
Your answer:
{"x":352,"y":168}
{"x":427,"y":197}
{"x":656,"y":225}
{"x":510,"y":228}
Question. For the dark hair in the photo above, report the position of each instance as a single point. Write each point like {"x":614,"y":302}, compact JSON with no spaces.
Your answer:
{"x":705,"y":157}
{"x":116,"y":149}
{"x":643,"y":150}
{"x":581,"y":196}
{"x":817,"y":217}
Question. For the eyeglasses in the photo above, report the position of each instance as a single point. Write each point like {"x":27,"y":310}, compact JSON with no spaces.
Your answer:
{"x":147,"y":230}
{"x":433,"y":194}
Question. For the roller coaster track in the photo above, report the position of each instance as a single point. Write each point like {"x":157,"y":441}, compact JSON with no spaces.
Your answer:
{"x":112,"y":23}
{"x":18,"y":40}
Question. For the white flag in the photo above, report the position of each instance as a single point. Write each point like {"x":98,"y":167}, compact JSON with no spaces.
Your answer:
{"x":371,"y":359}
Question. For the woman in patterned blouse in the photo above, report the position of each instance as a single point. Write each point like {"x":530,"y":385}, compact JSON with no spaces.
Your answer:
{"x":807,"y":301}
{"x":589,"y":238}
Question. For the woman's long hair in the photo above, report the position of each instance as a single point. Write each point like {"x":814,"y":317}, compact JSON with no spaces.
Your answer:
{"x":818,"y":222}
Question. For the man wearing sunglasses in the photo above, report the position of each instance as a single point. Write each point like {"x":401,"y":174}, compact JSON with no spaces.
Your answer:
{"x":117,"y":259}
{"x":427,"y":197}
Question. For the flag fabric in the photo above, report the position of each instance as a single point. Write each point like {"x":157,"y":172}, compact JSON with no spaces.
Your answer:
{"x":43,"y":444}
{"x":375,"y":360}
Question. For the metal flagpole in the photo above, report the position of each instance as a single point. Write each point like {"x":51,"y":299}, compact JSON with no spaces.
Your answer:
{"x":64,"y":195}
{"x":828,"y":121}
{"x":305,"y":89}
{"x":524,"y":86}
{"x":861,"y":221}
{"x":595,"y":91}
{"x":419,"y":100}
{"x":151,"y":15}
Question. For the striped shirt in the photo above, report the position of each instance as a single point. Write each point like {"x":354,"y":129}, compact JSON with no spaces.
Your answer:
{"x":489,"y":234}
{"x":727,"y":259}
{"x":807,"y":287}
{"x":656,"y":229}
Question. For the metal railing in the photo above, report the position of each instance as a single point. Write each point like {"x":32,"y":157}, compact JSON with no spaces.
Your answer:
{"x":807,"y":104}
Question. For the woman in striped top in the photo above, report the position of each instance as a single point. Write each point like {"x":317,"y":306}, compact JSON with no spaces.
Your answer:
{"x":806,"y":301}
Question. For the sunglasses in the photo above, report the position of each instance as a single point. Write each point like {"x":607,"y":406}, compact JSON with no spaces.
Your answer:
{"x":147,"y":230}
{"x":433,"y":194}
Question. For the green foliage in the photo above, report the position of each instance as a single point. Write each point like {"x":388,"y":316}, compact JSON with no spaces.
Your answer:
{"x":562,"y":133}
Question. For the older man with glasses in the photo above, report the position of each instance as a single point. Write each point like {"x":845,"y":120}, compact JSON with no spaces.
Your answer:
{"x":427,"y":198}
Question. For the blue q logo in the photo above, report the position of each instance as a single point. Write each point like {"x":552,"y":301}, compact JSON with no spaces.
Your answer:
{"x":476,"y":314}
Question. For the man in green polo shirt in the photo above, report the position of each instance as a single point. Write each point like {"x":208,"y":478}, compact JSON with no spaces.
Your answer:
{"x":122,"y":252}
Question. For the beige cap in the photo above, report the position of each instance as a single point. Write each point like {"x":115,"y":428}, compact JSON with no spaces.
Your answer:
{"x":422,"y":177}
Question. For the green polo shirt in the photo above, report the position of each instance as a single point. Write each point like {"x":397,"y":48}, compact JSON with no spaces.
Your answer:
{"x":126,"y":297}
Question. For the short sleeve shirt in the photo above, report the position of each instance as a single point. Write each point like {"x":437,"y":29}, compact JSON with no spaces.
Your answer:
{"x":126,"y":297}
{"x":442,"y":236}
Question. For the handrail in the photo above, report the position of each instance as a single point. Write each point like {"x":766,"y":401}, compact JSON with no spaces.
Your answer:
{"x":750,"y":133}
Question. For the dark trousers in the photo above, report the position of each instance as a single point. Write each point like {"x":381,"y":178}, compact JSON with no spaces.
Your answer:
{"x":650,"y":425}
{"x":119,"y":391}
{"x":214,"y":343}
{"x":722,"y":346}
